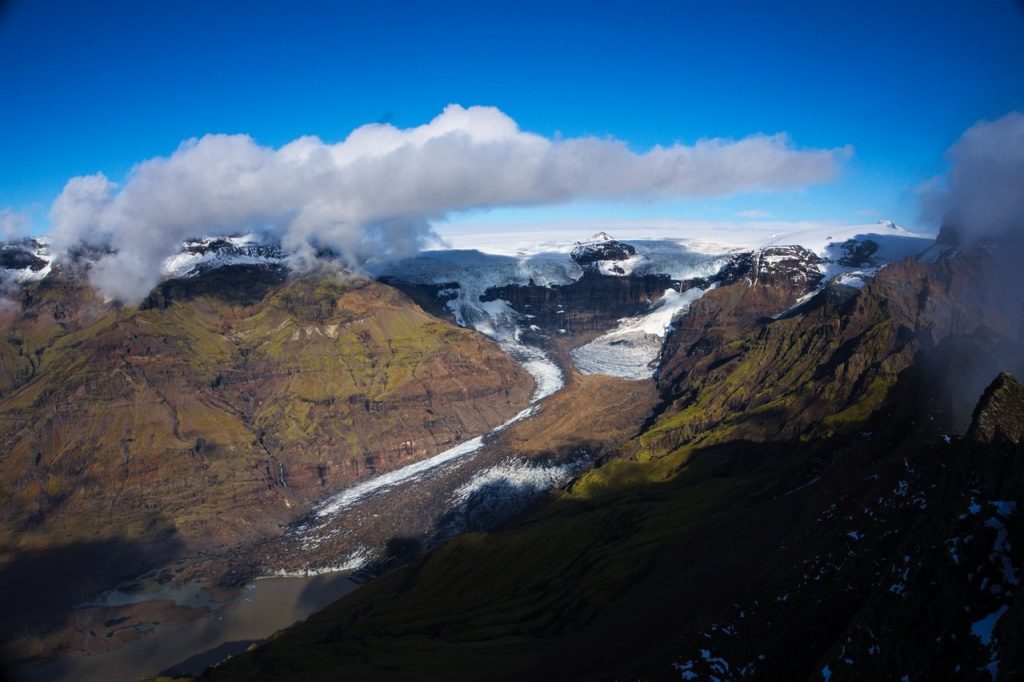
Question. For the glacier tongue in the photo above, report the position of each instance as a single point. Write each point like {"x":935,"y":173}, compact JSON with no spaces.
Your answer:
{"x":475,"y":273}
{"x":627,"y":351}
{"x":495,"y":319}
{"x":548,"y":379}
{"x":631,"y":350}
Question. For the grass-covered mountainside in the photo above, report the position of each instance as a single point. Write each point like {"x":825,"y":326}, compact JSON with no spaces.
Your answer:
{"x":214,"y":412}
{"x":805,"y":504}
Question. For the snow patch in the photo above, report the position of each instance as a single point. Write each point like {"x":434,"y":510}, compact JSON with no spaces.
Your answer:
{"x":983,"y":628}
{"x":208,"y":253}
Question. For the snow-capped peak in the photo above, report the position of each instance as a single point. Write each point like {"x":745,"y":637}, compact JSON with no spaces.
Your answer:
{"x":207,"y":253}
{"x":26,"y":260}
{"x":602,"y":247}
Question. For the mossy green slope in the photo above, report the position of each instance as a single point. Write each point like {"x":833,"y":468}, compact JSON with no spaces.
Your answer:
{"x":599,"y":579}
{"x":217,"y":419}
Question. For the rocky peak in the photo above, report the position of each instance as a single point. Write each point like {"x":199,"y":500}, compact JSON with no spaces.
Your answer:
{"x":999,"y":416}
{"x":601,"y":247}
{"x":210,"y":253}
{"x":774,"y":266}
{"x":24,"y":260}
{"x":794,"y":264}
{"x":232,"y":246}
{"x":22,"y":254}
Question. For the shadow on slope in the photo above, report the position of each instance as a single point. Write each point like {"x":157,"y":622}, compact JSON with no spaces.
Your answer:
{"x":40,"y":588}
{"x":237,"y":284}
{"x":622,"y":571}
{"x":604,"y":574}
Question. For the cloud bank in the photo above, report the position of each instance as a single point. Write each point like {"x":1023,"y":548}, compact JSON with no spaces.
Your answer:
{"x":374,"y":195}
{"x":983,"y":193}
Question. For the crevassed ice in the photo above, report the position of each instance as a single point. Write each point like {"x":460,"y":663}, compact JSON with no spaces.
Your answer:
{"x":520,"y":474}
{"x":631,"y":350}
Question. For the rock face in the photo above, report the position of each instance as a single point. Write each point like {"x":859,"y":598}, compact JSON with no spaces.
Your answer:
{"x":857,"y":253}
{"x":593,"y":303}
{"x":596,"y":301}
{"x":207,"y":254}
{"x":25,"y":260}
{"x":999,"y":416}
{"x":240,"y":284}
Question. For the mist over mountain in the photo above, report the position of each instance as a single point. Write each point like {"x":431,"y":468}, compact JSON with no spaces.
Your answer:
{"x":372,"y":196}
{"x":980,"y":196}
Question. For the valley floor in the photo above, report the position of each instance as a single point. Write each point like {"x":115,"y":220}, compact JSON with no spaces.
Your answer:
{"x":586,"y":419}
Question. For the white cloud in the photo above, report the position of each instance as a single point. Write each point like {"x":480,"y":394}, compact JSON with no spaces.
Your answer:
{"x":982,"y":193}
{"x":12,"y":224}
{"x":374,"y":195}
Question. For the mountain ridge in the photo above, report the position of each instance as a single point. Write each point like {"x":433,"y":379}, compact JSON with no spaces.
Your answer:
{"x":781,"y":362}
{"x":845,"y":398}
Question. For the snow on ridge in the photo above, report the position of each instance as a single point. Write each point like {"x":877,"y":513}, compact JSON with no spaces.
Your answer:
{"x":38,"y":248}
{"x":531,"y":238}
{"x":205,"y":253}
{"x":854,"y":278}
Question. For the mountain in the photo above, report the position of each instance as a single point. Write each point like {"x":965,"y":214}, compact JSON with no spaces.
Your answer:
{"x":210,"y":253}
{"x":602,"y":252}
{"x":737,"y":437}
{"x":24,"y":261}
{"x":799,"y":506}
{"x":212,"y":414}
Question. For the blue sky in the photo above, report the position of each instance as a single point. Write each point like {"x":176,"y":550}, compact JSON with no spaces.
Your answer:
{"x":98,"y":86}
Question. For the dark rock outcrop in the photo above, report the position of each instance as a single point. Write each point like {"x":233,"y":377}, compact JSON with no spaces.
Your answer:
{"x":593,"y":303}
{"x":858,"y":252}
{"x":241,"y":284}
{"x":999,"y":416}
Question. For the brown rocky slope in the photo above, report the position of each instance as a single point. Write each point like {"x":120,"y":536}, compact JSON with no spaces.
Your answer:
{"x":213,"y":415}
